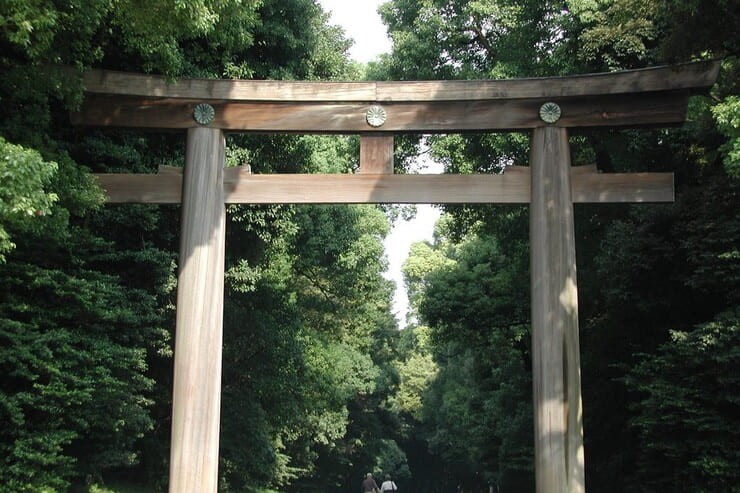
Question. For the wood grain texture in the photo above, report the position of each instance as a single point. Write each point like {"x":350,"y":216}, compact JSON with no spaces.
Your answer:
{"x":240,"y":186}
{"x":196,"y":399}
{"x":559,"y":458}
{"x":694,"y":76}
{"x":622,"y":187}
{"x":349,"y":118}
{"x":376,"y":154}
{"x":380,"y":189}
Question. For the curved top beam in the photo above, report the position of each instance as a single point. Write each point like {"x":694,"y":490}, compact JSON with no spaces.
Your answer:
{"x":654,"y":96}
{"x":691,"y":76}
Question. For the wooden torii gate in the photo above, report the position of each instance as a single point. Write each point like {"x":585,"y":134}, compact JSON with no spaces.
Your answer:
{"x":377,"y":110}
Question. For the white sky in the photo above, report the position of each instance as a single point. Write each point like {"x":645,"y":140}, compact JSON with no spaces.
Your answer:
{"x":361,"y":22}
{"x":398,"y":243}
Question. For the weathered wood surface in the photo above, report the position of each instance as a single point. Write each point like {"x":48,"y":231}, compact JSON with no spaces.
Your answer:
{"x":687,"y":76}
{"x":559,"y":457}
{"x":622,"y":187}
{"x":512,"y":187}
{"x":348,"y":118}
{"x":196,"y":398}
{"x":380,"y":189}
{"x":376,"y":154}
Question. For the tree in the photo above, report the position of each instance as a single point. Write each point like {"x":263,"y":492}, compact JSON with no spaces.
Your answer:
{"x":639,"y":274}
{"x":686,"y":416}
{"x":474,"y":397}
{"x":129,"y":252}
{"x":22,"y":195}
{"x":75,"y":392}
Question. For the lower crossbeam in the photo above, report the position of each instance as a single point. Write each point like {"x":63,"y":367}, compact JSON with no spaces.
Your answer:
{"x":511,"y":187}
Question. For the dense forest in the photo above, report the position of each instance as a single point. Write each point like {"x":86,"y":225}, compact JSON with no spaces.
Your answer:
{"x":319,"y":384}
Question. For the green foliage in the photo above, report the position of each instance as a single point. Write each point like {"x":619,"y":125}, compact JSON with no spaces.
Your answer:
{"x":23,"y":196}
{"x":82,"y":32}
{"x":687,"y":415}
{"x":476,"y":287}
{"x":337,"y":373}
{"x":314,"y":356}
{"x":77,"y":341}
{"x":74,"y":395}
{"x":621,"y":34}
{"x":705,"y":20}
{"x":643,"y":270}
{"x":319,"y":386}
{"x":416,"y":374}
{"x":422,"y":260}
{"x":435,"y":39}
{"x":727,"y":115}
{"x":473,"y":421}
{"x":289,"y":380}
{"x":391,"y":460}
{"x":117,"y":487}
{"x":674,"y":267}
{"x":617,"y":34}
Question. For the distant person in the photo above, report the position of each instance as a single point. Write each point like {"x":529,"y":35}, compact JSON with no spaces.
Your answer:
{"x":369,"y":485}
{"x":388,"y":485}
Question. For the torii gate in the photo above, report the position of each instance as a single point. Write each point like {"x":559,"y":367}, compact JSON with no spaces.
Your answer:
{"x":376,"y":110}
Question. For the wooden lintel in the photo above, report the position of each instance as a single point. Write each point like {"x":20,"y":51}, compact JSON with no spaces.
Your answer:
{"x":512,"y":187}
{"x":693,"y":76}
{"x":348,"y":118}
{"x":376,"y":154}
{"x":379,"y":189}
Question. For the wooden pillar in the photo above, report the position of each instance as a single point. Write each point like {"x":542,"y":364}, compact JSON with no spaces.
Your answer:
{"x":196,"y":400}
{"x":559,"y":458}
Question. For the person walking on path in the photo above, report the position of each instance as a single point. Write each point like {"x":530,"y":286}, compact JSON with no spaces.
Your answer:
{"x":388,"y":485}
{"x":369,"y":485}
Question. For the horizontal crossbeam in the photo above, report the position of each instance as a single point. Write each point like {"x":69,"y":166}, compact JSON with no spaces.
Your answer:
{"x":654,"y":96}
{"x":511,"y":187}
{"x":348,"y":118}
{"x":693,"y":76}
